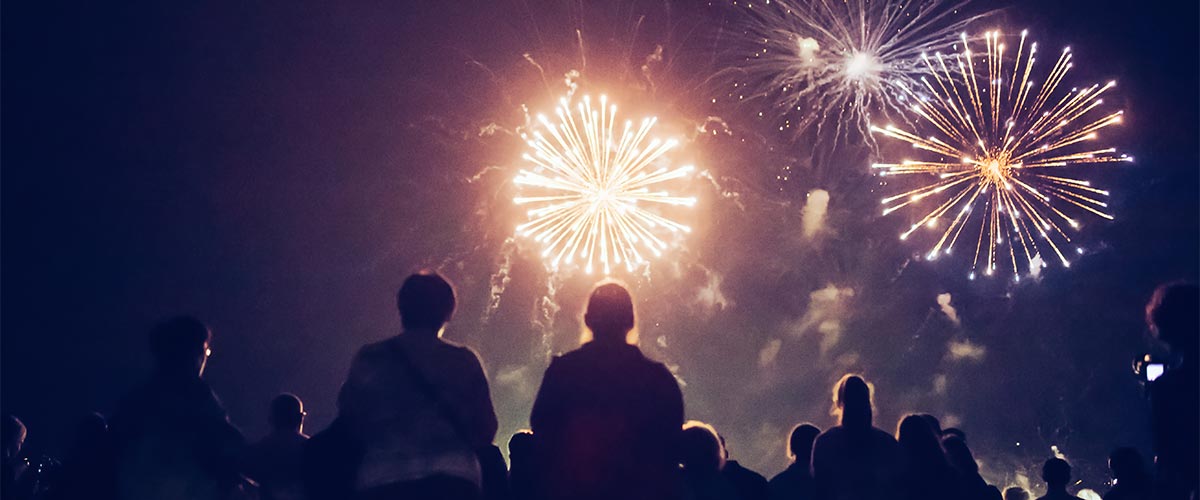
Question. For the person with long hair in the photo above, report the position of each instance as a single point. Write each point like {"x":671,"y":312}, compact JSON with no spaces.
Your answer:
{"x":854,"y":460}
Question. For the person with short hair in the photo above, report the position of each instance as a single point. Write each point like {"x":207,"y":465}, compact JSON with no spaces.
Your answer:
{"x":702,"y":459}
{"x":275,"y":462}
{"x":86,"y":466}
{"x":927,"y":475}
{"x":795,"y":482}
{"x":750,"y":485}
{"x":13,"y":466}
{"x":606,"y":419}
{"x":419,"y":405}
{"x":522,"y":469}
{"x":1131,"y":481}
{"x":1173,"y":315}
{"x":1015,"y":493}
{"x":1056,"y":472}
{"x":970,"y":484}
{"x":172,"y":437}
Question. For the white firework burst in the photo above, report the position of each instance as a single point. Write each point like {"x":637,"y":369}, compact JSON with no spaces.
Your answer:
{"x":832,"y":63}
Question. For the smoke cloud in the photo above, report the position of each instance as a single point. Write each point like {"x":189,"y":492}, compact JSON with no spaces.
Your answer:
{"x":827,"y":309}
{"x":943,"y":300}
{"x":813,"y":216}
{"x":767,"y":355}
{"x":710,"y":297}
{"x":959,"y":350}
{"x":1035,"y":266}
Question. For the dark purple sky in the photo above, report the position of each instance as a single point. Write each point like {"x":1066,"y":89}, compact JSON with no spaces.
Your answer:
{"x":278,"y":168}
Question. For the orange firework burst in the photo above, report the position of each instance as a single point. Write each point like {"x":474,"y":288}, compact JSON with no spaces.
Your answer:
{"x":1000,"y":142}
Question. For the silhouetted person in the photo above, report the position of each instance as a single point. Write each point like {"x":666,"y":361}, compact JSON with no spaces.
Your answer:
{"x":493,"y":473}
{"x":172,"y":437}
{"x":928,"y":475}
{"x":14,"y":465}
{"x":419,"y":405}
{"x":795,"y":482}
{"x":853,"y":460}
{"x":1056,"y":472}
{"x":750,"y":485}
{"x":1016,"y":493}
{"x":330,"y":463}
{"x":86,"y":467}
{"x":955,"y":433}
{"x":275,"y":462}
{"x":1173,"y":317}
{"x":970,"y":484}
{"x":606,"y":418}
{"x":702,"y":458}
{"x":934,"y":424}
{"x":522,"y":466}
{"x":1131,"y":481}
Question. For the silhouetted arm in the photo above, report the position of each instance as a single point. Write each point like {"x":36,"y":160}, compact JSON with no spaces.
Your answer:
{"x":670,"y":408}
{"x":480,"y":415}
{"x":548,"y":405}
{"x":349,"y":396}
{"x":820,"y":468}
{"x":673,"y":403}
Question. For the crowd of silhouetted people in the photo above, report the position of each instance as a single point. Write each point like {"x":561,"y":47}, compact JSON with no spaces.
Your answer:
{"x":416,"y":421}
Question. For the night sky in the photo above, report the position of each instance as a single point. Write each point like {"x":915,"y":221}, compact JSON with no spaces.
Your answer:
{"x":278,"y":168}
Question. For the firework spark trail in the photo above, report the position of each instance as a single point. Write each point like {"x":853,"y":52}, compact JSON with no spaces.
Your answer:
{"x":589,"y":187}
{"x":834,"y":62}
{"x":998,"y":138}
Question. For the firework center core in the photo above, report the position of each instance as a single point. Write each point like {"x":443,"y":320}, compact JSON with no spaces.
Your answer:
{"x":860,"y":65}
{"x":996,"y":171}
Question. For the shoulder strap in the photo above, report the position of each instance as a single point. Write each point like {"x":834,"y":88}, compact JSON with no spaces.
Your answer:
{"x":430,"y":392}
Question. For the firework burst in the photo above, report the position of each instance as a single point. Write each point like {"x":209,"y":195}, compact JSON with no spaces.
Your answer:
{"x":590,"y":185}
{"x":999,"y":142}
{"x":833,"y":62}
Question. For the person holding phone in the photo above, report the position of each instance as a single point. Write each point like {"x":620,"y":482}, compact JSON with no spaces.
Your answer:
{"x":1175,"y":408}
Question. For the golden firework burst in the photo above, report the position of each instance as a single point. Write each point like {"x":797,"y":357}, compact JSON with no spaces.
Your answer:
{"x":1000,"y":155}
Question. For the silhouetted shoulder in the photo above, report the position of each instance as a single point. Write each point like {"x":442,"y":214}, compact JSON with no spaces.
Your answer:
{"x":661,"y":369}
{"x":461,"y":352}
{"x":883,"y":437}
{"x":374,"y":351}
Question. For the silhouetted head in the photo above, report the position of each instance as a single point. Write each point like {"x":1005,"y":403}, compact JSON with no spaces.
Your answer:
{"x":917,"y":439}
{"x":180,"y":346}
{"x":1016,"y":493}
{"x":1127,"y":464}
{"x":1056,"y":472}
{"x":933,"y":424}
{"x":609,"y":313}
{"x":90,"y":430}
{"x":959,"y":455}
{"x":700,"y":449}
{"x":1172,"y":317}
{"x":426,"y":302}
{"x":800,"y":442}
{"x":852,"y":401}
{"x":287,"y":413}
{"x":954,"y":432}
{"x":14,"y":437}
{"x":520,"y":447}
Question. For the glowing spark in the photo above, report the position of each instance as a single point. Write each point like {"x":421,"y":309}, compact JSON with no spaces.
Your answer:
{"x":834,"y":63}
{"x":997,"y":136}
{"x":591,"y":188}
